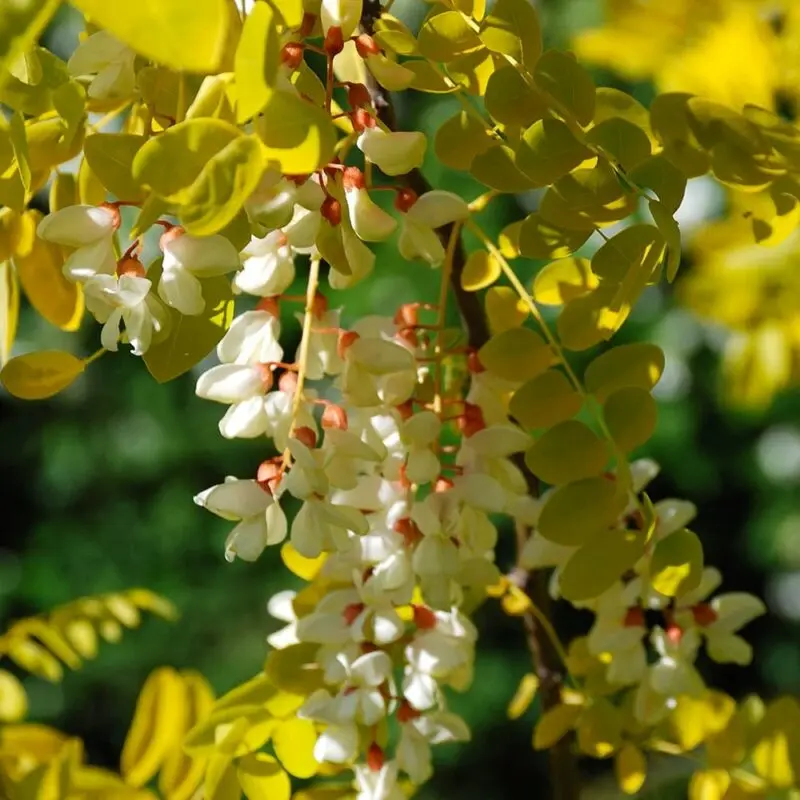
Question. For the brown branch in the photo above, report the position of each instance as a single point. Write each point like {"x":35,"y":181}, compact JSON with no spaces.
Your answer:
{"x":563,"y":766}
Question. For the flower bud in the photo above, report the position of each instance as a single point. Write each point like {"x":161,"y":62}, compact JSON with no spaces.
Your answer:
{"x":346,"y":338}
{"x":353,"y":178}
{"x":406,"y":410}
{"x":288,"y":382}
{"x":674,"y":633}
{"x":442,"y":485}
{"x":405,"y":199}
{"x":424,"y":618}
{"x":366,"y":46}
{"x":331,"y":210}
{"x":407,"y":315}
{"x":334,"y":41}
{"x":471,"y":421}
{"x":113,"y":210}
{"x":270,"y":305}
{"x":319,"y":305}
{"x":634,"y":618}
{"x":362,"y":119}
{"x":292,"y":55}
{"x":358,"y":95}
{"x":375,"y":757}
{"x":409,"y":530}
{"x":306,"y":436}
{"x":474,"y":364}
{"x":169,"y":235}
{"x":334,"y":417}
{"x":267,"y":375}
{"x":130,"y":265}
{"x":351,"y":612}
{"x":406,"y":712}
{"x":704,"y":615}
{"x":268,"y":475}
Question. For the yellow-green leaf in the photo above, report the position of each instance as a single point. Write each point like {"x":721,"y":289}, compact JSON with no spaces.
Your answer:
{"x":428,"y":79}
{"x":630,"y":768}
{"x":567,"y":452}
{"x":297,"y":135}
{"x":599,"y":730}
{"x":626,"y":143}
{"x":517,"y":354}
{"x":631,"y":415}
{"x":222,"y":187}
{"x":91,"y":191}
{"x":289,"y":669}
{"x":505,"y":309}
{"x":523,"y":697}
{"x":294,"y":741}
{"x":459,"y":139}
{"x":481,"y":270}
{"x":663,"y":177}
{"x":567,"y":83}
{"x":587,"y":320}
{"x":511,"y":100}
{"x":495,"y":167}
{"x":677,"y":563}
{"x":13,"y":700}
{"x":581,"y":511}
{"x":562,"y":281}
{"x":110,"y":156}
{"x":541,"y":239}
{"x":672,"y":235}
{"x":512,"y":29}
{"x":262,"y":778}
{"x":669,"y":119}
{"x":187,"y":35}
{"x":392,"y":34}
{"x":63,"y":191}
{"x":555,"y":723}
{"x":21,"y":24}
{"x":171,"y":162}
{"x":776,"y":755}
{"x":603,"y":560}
{"x":447,"y":35}
{"x":191,"y":338}
{"x":221,"y":780}
{"x":256,"y":62}
{"x":545,"y":401}
{"x":612,"y":103}
{"x":36,"y":376}
{"x":157,"y":726}
{"x":639,"y":364}
{"x":548,"y":151}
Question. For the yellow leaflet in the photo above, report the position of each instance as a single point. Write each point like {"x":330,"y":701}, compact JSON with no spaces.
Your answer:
{"x":512,"y":29}
{"x":548,"y":151}
{"x":36,"y":376}
{"x":677,"y":563}
{"x":13,"y":700}
{"x":570,"y":451}
{"x":446,"y":36}
{"x":553,"y":724}
{"x":9,"y":310}
{"x":481,"y":270}
{"x":630,"y":415}
{"x":562,"y":281}
{"x":496,"y":168}
{"x":256,"y":62}
{"x":305,"y":568}
{"x":262,"y":778}
{"x":545,"y":401}
{"x":523,"y":697}
{"x":21,"y":23}
{"x":460,"y":139}
{"x":638,"y":364}
{"x":599,"y":730}
{"x":516,"y":354}
{"x":185,"y":35}
{"x":294,"y":741}
{"x":630,"y":768}
{"x":505,"y":309}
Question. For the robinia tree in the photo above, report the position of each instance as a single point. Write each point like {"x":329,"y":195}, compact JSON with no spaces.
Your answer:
{"x":250,"y":143}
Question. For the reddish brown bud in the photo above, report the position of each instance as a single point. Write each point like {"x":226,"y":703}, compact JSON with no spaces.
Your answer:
{"x":288,"y":382}
{"x":130,"y":265}
{"x":306,"y":436}
{"x":362,"y":119}
{"x":408,"y":529}
{"x":331,"y":210}
{"x":113,"y":209}
{"x":268,"y":476}
{"x":353,"y":178}
{"x":442,"y":484}
{"x":471,"y":421}
{"x":406,"y":712}
{"x":358,"y":95}
{"x":351,"y":612}
{"x":634,"y":618}
{"x":408,"y":337}
{"x":405,"y":199}
{"x":334,"y":42}
{"x":407,"y":315}
{"x":366,"y":46}
{"x":674,"y":633}
{"x":402,"y":478}
{"x":169,"y":235}
{"x":297,"y":180}
{"x":346,"y":339}
{"x":704,"y":615}
{"x":270,"y":305}
{"x":292,"y":55}
{"x":474,"y":363}
{"x":406,"y":410}
{"x":334,"y":417}
{"x":375,"y":757}
{"x":319,"y":305}
{"x":424,"y":618}
{"x":267,"y":375}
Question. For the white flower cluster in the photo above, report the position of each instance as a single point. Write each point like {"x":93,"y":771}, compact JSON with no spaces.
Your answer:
{"x":621,"y":633}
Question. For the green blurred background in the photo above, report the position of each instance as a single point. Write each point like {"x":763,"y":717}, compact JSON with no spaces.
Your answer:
{"x":98,"y":487}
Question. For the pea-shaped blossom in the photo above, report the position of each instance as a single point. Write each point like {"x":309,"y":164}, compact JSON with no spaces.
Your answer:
{"x":369,"y":221}
{"x":261,"y":521}
{"x":417,"y":735}
{"x":253,"y":338}
{"x":342,"y":14}
{"x":378,"y":784}
{"x":89,"y":229}
{"x":188,"y":258}
{"x":432,"y":210}
{"x":393,"y":152}
{"x":127,"y":300}
{"x":267,"y":266}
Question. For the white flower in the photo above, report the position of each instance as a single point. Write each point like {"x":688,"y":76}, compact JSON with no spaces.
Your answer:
{"x":90,"y":229}
{"x":719,"y":620}
{"x":127,"y":300}
{"x":378,"y":784}
{"x":110,"y":62}
{"x":370,"y":222}
{"x":396,"y":152}
{"x":432,"y":210}
{"x":268,"y":266}
{"x":261,"y":520}
{"x":243,"y":386}
{"x":252,"y":339}
{"x":420,"y":433}
{"x":323,"y":352}
{"x":419,"y":733}
{"x":281,"y":606}
{"x":187,"y":258}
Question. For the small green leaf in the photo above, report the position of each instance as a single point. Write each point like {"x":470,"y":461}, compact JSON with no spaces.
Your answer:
{"x":545,"y":401}
{"x":110,"y":156}
{"x":512,"y":29}
{"x":511,"y":100}
{"x":447,"y":35}
{"x":639,"y":364}
{"x":190,"y":338}
{"x":495,"y":167}
{"x":549,"y":150}
{"x":517,"y":354}
{"x":677,"y":563}
{"x":568,"y":452}
{"x":570,"y":86}
{"x":459,"y":139}
{"x":631,"y":415}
